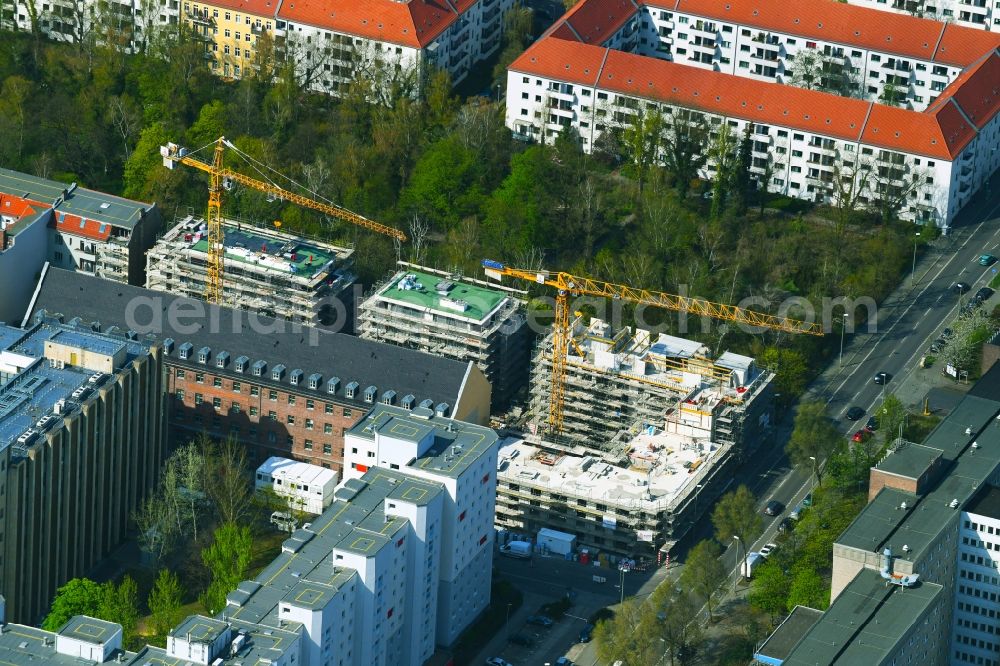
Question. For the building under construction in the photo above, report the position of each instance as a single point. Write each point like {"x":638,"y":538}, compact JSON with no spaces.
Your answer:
{"x":267,"y":271}
{"x":616,"y":379}
{"x":454,"y":317}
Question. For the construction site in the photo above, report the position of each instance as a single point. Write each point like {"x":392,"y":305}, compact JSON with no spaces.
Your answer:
{"x":455,"y":317}
{"x":274,"y":273}
{"x":635,"y":499}
{"x":614,"y":380}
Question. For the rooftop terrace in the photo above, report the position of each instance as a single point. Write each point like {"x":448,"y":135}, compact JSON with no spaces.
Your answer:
{"x":437,"y":293}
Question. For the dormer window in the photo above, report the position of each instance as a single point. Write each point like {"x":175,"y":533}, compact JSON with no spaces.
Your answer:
{"x":241,"y":364}
{"x":370,"y":394}
{"x":314,"y":380}
{"x":296,"y":377}
{"x":222,"y":359}
{"x":333,"y":385}
{"x":203,"y":354}
{"x":277,"y":372}
{"x":258,"y":368}
{"x":351,"y":389}
{"x":184,"y":352}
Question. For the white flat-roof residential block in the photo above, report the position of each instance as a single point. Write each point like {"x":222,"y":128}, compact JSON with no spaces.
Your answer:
{"x":307,"y":487}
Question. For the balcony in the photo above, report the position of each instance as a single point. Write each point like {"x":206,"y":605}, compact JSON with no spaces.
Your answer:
{"x":199,"y":17}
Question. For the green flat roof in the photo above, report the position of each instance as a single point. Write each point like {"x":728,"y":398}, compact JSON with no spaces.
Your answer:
{"x":479,"y":301}
{"x":866,"y":623}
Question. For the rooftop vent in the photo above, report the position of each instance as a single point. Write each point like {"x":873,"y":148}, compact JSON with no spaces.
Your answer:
{"x":241,"y":364}
{"x":131,"y":335}
{"x":953,"y":504}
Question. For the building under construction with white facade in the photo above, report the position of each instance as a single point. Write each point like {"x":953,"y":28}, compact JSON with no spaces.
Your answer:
{"x":637,"y":499}
{"x":454,"y":317}
{"x":615,"y":380}
{"x":267,"y":271}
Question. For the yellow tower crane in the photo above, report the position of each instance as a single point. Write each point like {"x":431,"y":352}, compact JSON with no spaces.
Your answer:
{"x":567,"y":285}
{"x":221,"y":178}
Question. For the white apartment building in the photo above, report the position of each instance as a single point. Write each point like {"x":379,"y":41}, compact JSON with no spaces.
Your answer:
{"x":982,"y":14}
{"x":73,"y":21}
{"x":307,"y":487}
{"x":802,"y":139}
{"x":976,"y":627}
{"x":332,"y":43}
{"x":595,"y":76}
{"x":462,"y":459}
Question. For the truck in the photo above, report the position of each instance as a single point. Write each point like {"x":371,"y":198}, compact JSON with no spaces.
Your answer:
{"x":752,"y":561}
{"x":518,"y":549}
{"x":556,"y":542}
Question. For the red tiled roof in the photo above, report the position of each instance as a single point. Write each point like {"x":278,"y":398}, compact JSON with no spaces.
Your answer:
{"x":17,"y":207}
{"x":976,"y":91}
{"x":762,"y":102}
{"x":962,"y":46}
{"x":593,"y":21}
{"x":935,"y":135}
{"x":942,"y":133}
{"x":562,"y":60}
{"x":70,"y":224}
{"x":415,"y":23}
{"x":255,"y":7}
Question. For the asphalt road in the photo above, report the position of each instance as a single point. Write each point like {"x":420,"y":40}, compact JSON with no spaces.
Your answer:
{"x":914,"y":316}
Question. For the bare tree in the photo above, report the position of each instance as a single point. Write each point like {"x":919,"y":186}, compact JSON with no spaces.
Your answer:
{"x":893,"y":182}
{"x":231,"y":489}
{"x":126,"y":120}
{"x":419,"y":230}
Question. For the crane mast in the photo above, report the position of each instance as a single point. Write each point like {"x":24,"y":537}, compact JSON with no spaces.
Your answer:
{"x":219,"y":179}
{"x":567,"y":285}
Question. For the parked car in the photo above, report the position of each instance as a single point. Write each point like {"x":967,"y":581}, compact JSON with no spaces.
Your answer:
{"x":882,"y":378}
{"x":960,"y":287}
{"x":586,"y":633}
{"x":497,"y":661}
{"x":947,"y":333}
{"x":768,"y":549}
{"x":807,"y":500}
{"x":540,"y":620}
{"x":983,"y":294}
{"x":786,"y":524}
{"x":855,"y":413}
{"x":871,"y":425}
{"x":564,"y":661}
{"x":861,"y":435}
{"x":774,"y":508}
{"x":796,"y":513}
{"x":987,"y":260}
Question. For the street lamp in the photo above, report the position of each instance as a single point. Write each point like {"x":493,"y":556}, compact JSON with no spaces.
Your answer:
{"x":621,"y":570}
{"x":506,"y":623}
{"x":843,"y":327}
{"x":913,"y":271}
{"x":498,"y":101}
{"x":813,"y":458}
{"x":739,"y":571}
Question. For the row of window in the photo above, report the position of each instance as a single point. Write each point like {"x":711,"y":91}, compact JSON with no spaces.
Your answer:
{"x":976,"y":642}
{"x":236,"y":430}
{"x":977,"y":626}
{"x":980,"y":560}
{"x":978,"y":593}
{"x":272,"y":394}
{"x":973,"y":659}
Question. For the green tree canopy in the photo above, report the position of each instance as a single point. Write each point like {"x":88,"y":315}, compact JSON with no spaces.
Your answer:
{"x":227,"y":558}
{"x":736,"y":515}
{"x":165,"y":600}
{"x":704,"y":572}
{"x":813,"y":439}
{"x":79,"y":596}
